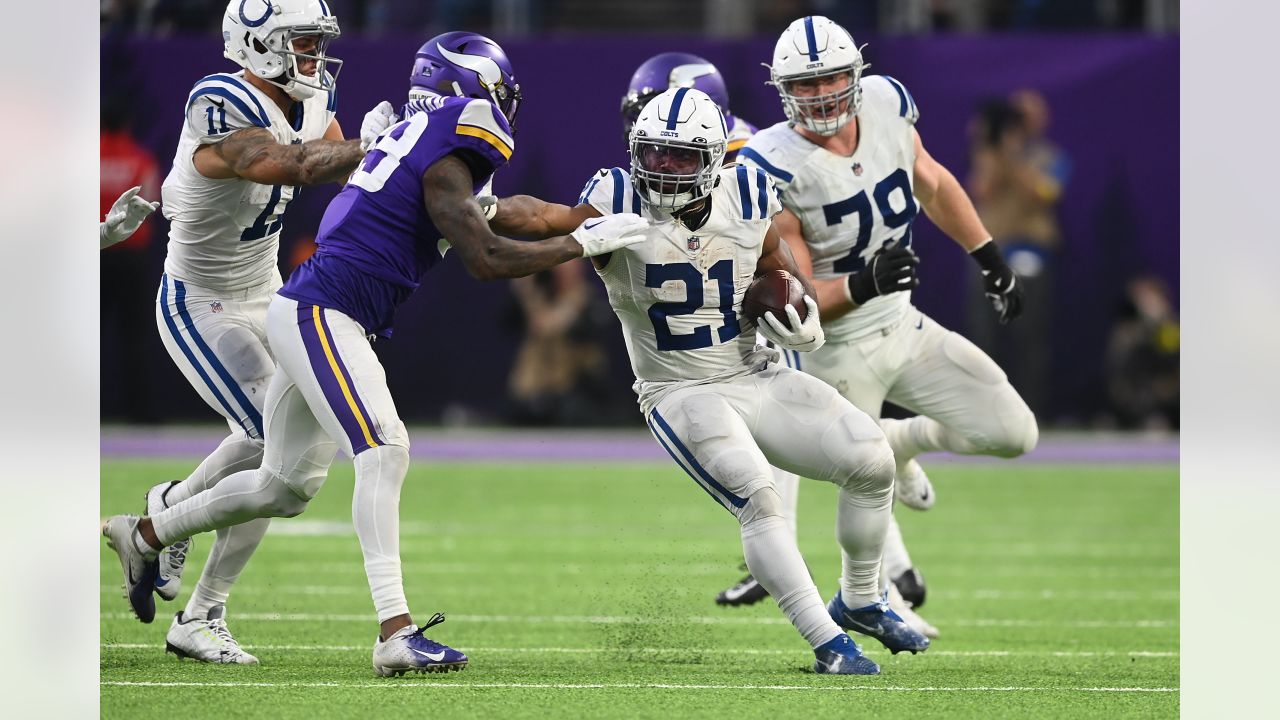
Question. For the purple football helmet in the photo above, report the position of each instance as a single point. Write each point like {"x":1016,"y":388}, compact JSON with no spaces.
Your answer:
{"x":671,"y":70}
{"x":465,"y":64}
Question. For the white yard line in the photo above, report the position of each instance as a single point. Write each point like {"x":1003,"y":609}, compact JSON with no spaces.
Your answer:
{"x":695,"y":651}
{"x":395,"y":684}
{"x":695,"y":620}
{"x":362,"y":590}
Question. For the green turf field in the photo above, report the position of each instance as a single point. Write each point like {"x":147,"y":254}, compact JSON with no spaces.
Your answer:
{"x":585,"y":590}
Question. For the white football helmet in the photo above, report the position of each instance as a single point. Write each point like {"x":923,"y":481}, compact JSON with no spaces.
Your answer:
{"x":258,"y":36}
{"x":677,"y":146}
{"x":815,"y":47}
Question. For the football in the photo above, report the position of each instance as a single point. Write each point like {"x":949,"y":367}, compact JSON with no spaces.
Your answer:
{"x":773,"y":291}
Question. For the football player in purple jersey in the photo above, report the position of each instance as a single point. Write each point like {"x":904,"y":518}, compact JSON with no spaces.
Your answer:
{"x":378,"y":238}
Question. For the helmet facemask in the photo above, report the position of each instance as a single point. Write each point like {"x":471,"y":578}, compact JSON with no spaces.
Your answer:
{"x":826,"y":113}
{"x":292,"y":80}
{"x":670,"y":174}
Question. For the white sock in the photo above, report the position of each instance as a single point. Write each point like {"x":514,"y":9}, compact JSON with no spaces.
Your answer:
{"x":862,"y":519}
{"x":237,"y":452}
{"x":787,"y":484}
{"x":774,"y":560}
{"x":244,"y":496}
{"x":920,"y":434}
{"x":896,"y":558}
{"x":375,"y":508}
{"x":230,"y":552}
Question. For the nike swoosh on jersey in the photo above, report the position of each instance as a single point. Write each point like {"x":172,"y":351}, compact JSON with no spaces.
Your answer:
{"x":433,"y":657}
{"x":219,"y":103}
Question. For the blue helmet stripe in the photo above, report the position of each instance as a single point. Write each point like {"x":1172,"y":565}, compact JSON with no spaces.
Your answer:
{"x":808,"y":36}
{"x":762,"y":188}
{"x":769,"y":167}
{"x":675,"y":108}
{"x":617,"y":190}
{"x":744,"y":192}
{"x":324,"y":7}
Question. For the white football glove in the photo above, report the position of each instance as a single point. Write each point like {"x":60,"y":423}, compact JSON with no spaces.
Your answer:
{"x":806,"y":337}
{"x":488,"y":202}
{"x":603,"y":235}
{"x":124,"y":218}
{"x":381,"y":117}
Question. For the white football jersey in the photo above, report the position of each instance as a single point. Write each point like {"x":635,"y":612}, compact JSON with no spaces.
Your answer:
{"x":679,"y":293}
{"x":225,"y":234}
{"x":850,"y":207}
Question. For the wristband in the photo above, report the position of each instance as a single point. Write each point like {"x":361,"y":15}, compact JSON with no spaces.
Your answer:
{"x":988,"y":256}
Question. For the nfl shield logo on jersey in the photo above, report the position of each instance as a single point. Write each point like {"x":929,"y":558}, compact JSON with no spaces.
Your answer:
{"x":857,"y":169}
{"x":216,"y":306}
{"x":694,"y":242}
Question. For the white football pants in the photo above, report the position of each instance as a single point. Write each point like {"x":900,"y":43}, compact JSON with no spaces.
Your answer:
{"x":727,"y":435}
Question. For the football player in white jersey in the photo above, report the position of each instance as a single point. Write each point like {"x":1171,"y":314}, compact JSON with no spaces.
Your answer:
{"x":249,"y":138}
{"x":853,"y":174}
{"x":715,"y":400}
{"x":673,"y":70}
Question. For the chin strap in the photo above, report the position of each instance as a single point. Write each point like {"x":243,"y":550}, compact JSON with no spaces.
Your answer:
{"x":695,"y":214}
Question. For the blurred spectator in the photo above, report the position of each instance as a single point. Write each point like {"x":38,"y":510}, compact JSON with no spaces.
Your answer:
{"x":1142,"y":357}
{"x":560,"y":372}
{"x":128,"y":286}
{"x":1016,"y":181}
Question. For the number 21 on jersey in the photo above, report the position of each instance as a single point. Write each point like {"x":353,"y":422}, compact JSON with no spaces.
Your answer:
{"x":689,"y":275}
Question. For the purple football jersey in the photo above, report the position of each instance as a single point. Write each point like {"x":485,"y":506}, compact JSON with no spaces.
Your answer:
{"x":376,"y":239}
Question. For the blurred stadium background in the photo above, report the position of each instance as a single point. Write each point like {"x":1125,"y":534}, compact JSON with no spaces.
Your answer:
{"x":1081,"y":94}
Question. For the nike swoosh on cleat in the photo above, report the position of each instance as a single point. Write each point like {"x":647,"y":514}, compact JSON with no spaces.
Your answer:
{"x":161,"y":582}
{"x":736,"y":591}
{"x":433,"y":657}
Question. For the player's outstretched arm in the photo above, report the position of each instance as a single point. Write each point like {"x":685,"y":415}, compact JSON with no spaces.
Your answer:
{"x":527,"y":216}
{"x":446,"y":190}
{"x":254,"y":154}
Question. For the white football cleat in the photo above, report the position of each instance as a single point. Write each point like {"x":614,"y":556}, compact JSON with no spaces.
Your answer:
{"x":912,"y":486}
{"x":206,"y":639}
{"x":909,"y":616}
{"x":408,"y":650}
{"x":174,"y":557}
{"x":139,"y":569}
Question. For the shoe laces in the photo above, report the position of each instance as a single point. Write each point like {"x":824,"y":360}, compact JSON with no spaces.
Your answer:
{"x":221,"y":633}
{"x":435,"y":620}
{"x":177,"y":554}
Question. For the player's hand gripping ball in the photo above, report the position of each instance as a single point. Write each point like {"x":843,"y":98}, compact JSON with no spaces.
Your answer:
{"x":774,"y":291}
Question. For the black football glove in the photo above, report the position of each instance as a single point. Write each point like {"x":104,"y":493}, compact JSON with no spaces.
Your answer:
{"x":999,"y":281}
{"x":892,"y":270}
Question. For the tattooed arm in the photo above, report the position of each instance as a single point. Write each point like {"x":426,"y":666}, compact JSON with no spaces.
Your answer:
{"x":447,"y":192}
{"x":254,"y":154}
